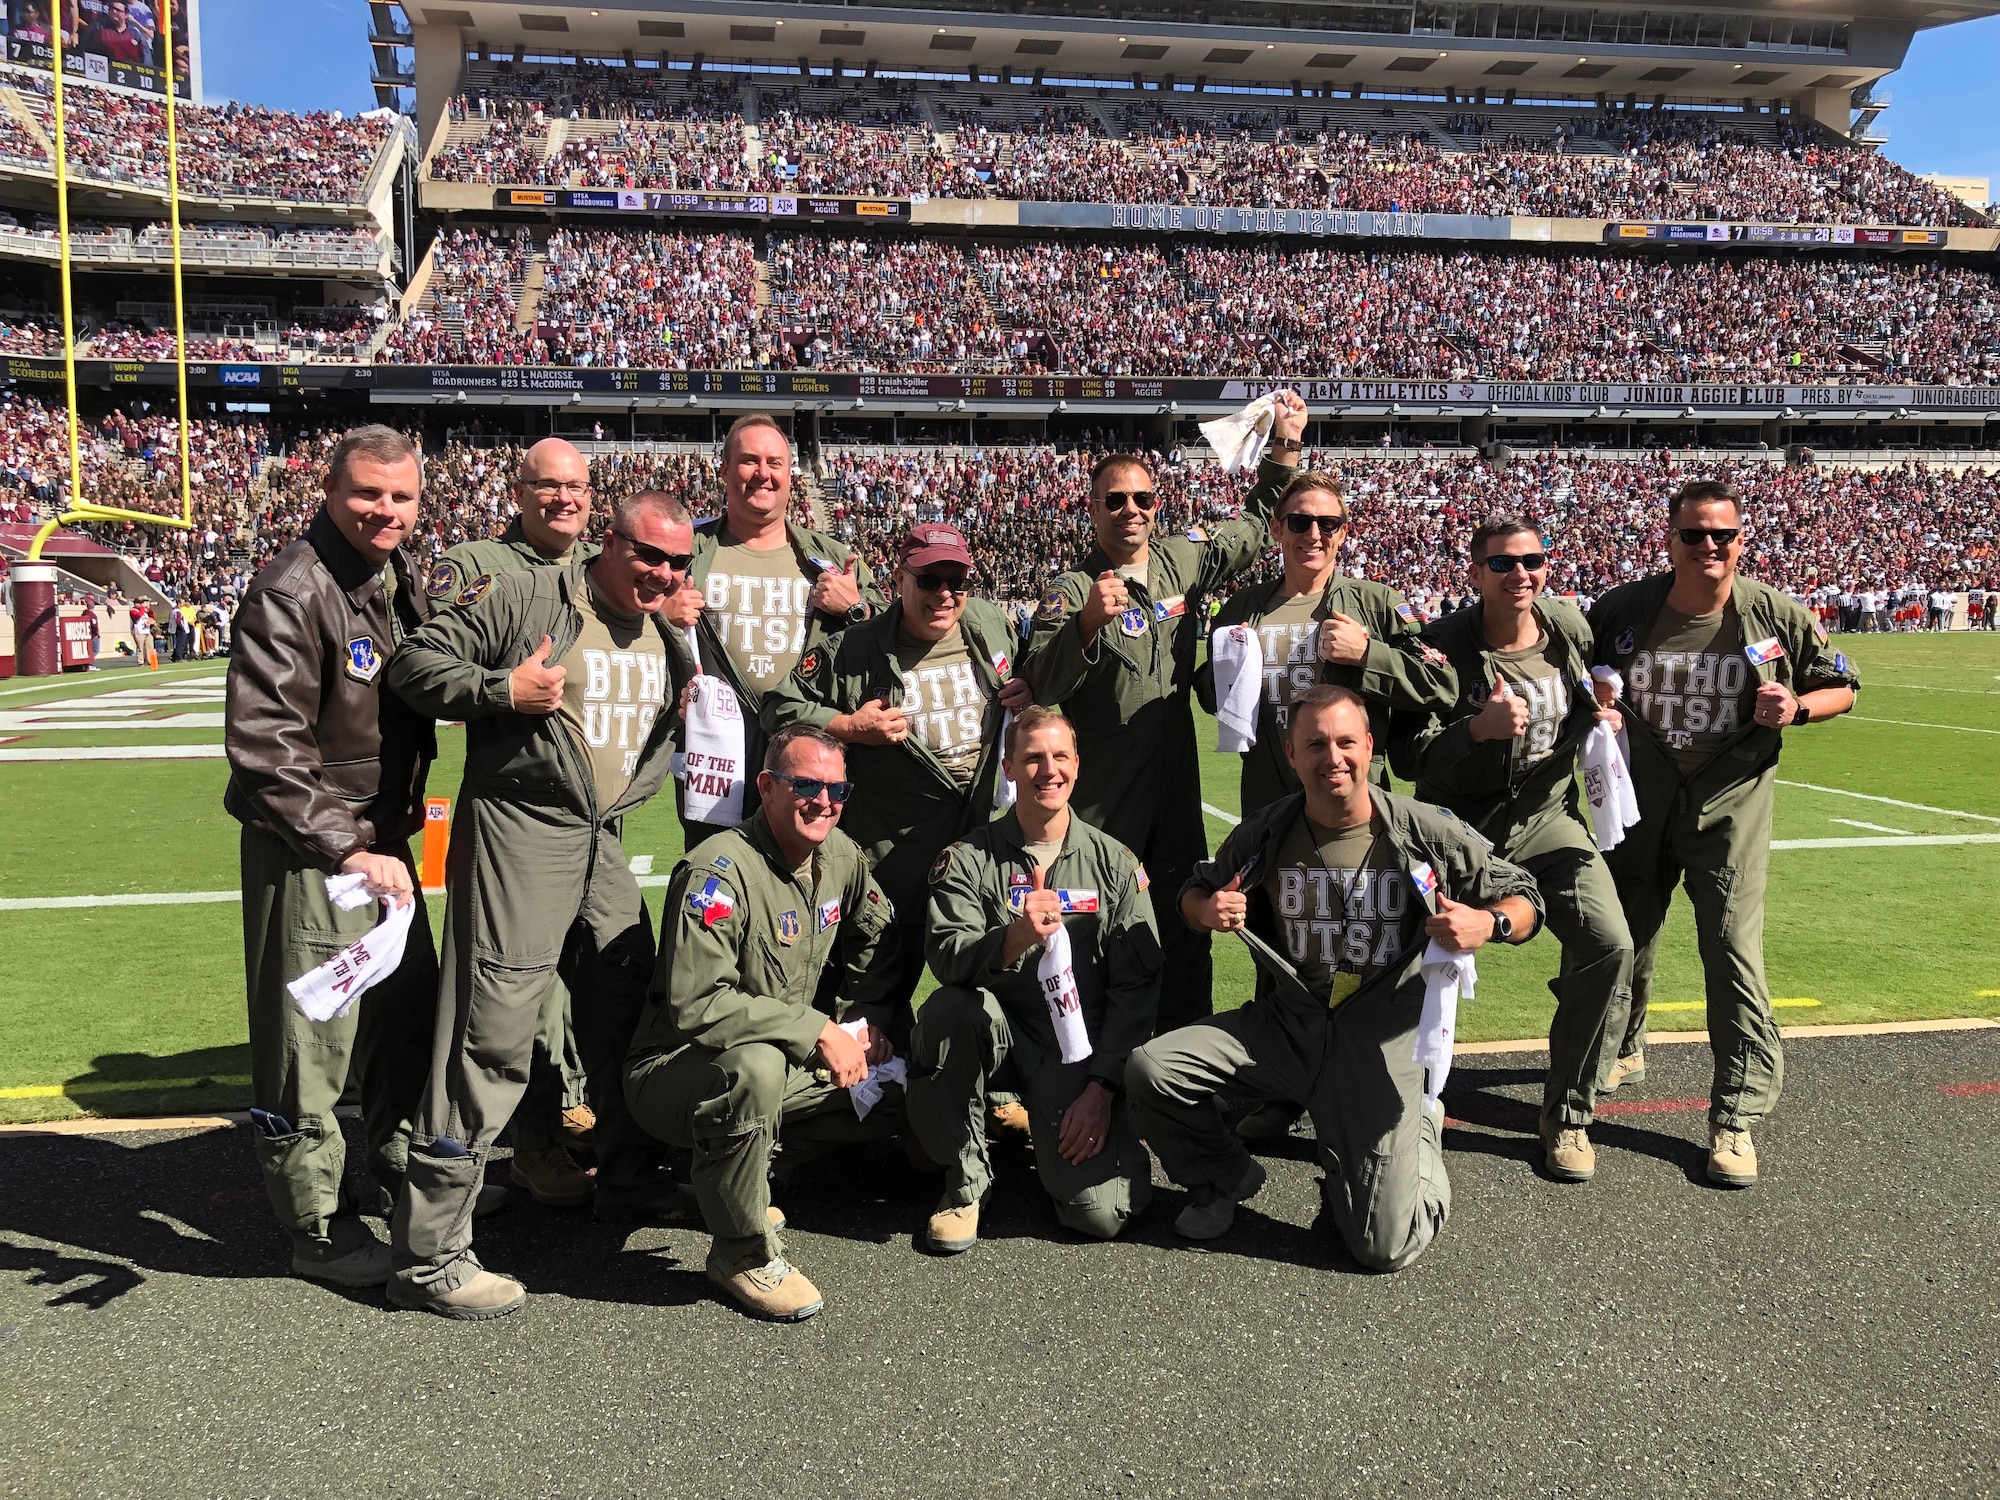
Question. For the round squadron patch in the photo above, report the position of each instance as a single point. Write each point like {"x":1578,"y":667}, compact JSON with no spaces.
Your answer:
{"x":943,"y":866}
{"x":809,"y":664}
{"x":474,"y":591}
{"x":445,"y":580}
{"x":1054,"y":607}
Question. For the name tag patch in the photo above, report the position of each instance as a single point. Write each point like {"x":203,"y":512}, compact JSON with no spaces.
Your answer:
{"x":1764,"y":651}
{"x":1170,"y":609}
{"x":829,"y":913}
{"x":1073,"y":903}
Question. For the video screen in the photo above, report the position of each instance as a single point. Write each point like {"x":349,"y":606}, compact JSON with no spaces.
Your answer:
{"x":104,"y":41}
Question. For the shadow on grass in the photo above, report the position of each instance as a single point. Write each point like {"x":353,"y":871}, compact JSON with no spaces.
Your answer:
{"x":136,"y":1083}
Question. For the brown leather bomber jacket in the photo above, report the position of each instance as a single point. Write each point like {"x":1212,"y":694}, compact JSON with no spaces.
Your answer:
{"x":318,"y":754}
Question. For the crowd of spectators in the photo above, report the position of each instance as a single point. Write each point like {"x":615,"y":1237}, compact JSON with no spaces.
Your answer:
{"x":879,"y":304}
{"x":1815,"y":529}
{"x":653,"y":300}
{"x":468,"y":312}
{"x":1611,"y":164}
{"x":236,"y":151}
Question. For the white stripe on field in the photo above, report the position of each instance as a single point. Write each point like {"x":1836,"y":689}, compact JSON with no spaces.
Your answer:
{"x":116,"y":752}
{"x":1836,"y":791}
{"x":1219,"y":815}
{"x":153,"y":898}
{"x":1914,"y":724}
{"x":87,"y":685}
{"x":1871,"y":827}
{"x":1921,"y":840}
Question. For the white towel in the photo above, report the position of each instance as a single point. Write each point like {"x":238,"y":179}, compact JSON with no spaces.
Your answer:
{"x":1448,"y":977}
{"x":868,"y":1093}
{"x":1057,"y":972}
{"x":331,"y":989}
{"x":712,"y":757}
{"x":1237,"y":656}
{"x":1239,"y":438}
{"x":1607,"y":774}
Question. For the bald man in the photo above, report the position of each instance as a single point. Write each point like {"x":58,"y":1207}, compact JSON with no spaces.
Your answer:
{"x":552,"y":495}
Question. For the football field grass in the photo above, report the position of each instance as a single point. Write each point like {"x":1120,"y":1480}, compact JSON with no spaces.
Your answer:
{"x":138,"y":1009}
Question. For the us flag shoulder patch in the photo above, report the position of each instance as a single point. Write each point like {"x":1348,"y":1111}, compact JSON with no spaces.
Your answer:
{"x":1141,"y":879}
{"x":1406,"y":614}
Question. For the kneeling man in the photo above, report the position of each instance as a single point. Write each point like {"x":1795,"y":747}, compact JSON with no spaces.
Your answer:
{"x":732,"y":1049}
{"x":1338,"y":888}
{"x":997,"y":897}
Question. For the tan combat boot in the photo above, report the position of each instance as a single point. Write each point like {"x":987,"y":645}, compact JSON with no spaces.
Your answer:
{"x":954,"y":1227}
{"x":366,"y":1265}
{"x":553,"y":1178}
{"x":476,"y":1297}
{"x":772,"y":1289}
{"x":1569,"y":1155}
{"x":1628,"y":1069}
{"x":578,"y":1121}
{"x":1732,"y":1160}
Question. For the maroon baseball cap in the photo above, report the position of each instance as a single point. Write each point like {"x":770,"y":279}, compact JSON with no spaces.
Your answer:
{"x":933,"y":543}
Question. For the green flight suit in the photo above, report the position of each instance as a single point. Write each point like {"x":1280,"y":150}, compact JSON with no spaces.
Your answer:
{"x":555,"y":1075}
{"x":1127,"y":694}
{"x":906,"y":806}
{"x":723,"y":1058}
{"x":1532,"y":817}
{"x":1709,"y":829}
{"x":812,"y":548}
{"x":538,"y":884}
{"x":989,"y":1026}
{"x":1352,"y":1065}
{"x":1400,"y":675}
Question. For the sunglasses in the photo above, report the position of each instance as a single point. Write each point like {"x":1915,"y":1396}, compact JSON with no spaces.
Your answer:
{"x":653,"y":557}
{"x":1506,"y":562}
{"x":1299,"y":525}
{"x":943,"y":583}
{"x":809,"y":788}
{"x":1119,"y":499}
{"x":1694,"y":536}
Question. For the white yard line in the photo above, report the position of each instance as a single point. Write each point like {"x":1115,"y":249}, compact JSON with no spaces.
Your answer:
{"x":115,"y":752}
{"x":1219,"y":815}
{"x":138,"y":677}
{"x":1918,"y":841}
{"x":1837,"y":791}
{"x":1914,"y":724}
{"x":1871,"y":827}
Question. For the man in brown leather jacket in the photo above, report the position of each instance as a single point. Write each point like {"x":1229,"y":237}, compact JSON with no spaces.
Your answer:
{"x":327,"y":777}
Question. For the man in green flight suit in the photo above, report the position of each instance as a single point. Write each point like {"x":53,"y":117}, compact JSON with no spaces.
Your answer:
{"x":1715,"y":668}
{"x":917,"y":695}
{"x":1315,"y":624}
{"x":552,"y":499}
{"x":734,"y":1048}
{"x":1503,"y":757}
{"x":766,"y":589}
{"x":566,"y":680}
{"x":1114,"y":646}
{"x":1342,"y":886}
{"x":997,"y":897}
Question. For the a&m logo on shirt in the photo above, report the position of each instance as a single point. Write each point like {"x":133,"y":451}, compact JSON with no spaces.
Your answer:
{"x":364,"y":663}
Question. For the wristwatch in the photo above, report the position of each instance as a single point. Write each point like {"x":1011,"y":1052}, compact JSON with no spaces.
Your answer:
{"x":1285,"y":445}
{"x":1503,"y":927}
{"x":857,"y":613}
{"x":1802,"y":715}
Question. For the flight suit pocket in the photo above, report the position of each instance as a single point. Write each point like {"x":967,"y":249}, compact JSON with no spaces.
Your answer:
{"x":502,"y":1011}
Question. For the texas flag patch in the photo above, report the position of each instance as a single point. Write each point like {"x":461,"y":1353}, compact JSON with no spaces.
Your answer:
{"x":712,"y":903}
{"x":829,"y":913}
{"x":1170,"y":609}
{"x":1763,"y":651}
{"x":1000,"y":666}
{"x":1424,"y":878}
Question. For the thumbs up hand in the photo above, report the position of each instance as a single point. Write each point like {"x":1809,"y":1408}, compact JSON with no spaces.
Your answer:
{"x":1222,"y":911}
{"x":1505,"y":717}
{"x":535,"y":687}
{"x":837,"y":590}
{"x":1041,"y":915}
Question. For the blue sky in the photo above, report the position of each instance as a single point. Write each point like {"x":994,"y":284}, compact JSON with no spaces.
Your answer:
{"x":317,"y":58}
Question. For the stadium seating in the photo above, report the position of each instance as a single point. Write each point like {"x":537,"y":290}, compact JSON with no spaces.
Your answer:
{"x":238,"y":151}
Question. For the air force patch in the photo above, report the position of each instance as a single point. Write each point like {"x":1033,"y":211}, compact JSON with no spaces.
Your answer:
{"x":364,"y":662}
{"x":1627,"y":639}
{"x":942,"y":867}
{"x":446,"y":579}
{"x":1133,"y":622}
{"x":474,"y":591}
{"x":1054,"y":607}
{"x":788,"y":927}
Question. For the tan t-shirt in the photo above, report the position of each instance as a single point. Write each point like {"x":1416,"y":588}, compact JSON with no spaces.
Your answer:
{"x":1290,"y":638}
{"x":1043,"y":855}
{"x":1692,"y":682}
{"x":757,"y":602}
{"x":1340,"y":899}
{"x":944,"y":701}
{"x":615,"y":681}
{"x":1530,"y":677}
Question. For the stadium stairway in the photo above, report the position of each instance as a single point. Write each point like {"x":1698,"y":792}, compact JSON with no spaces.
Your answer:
{"x":28,"y":120}
{"x":530,"y":298}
